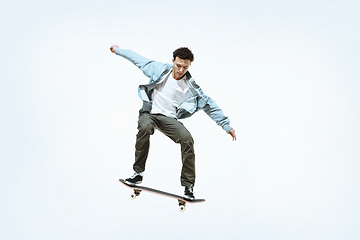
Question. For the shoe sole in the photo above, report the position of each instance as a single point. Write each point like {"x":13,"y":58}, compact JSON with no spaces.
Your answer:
{"x":189,"y":198}
{"x":133,"y":184}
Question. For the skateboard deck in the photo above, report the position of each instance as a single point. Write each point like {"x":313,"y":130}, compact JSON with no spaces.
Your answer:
{"x":181,"y":200}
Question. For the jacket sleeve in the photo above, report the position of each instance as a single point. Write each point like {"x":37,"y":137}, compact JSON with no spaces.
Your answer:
{"x":216,"y":114}
{"x":150,"y":68}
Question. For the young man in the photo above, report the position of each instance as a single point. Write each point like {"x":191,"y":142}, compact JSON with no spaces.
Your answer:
{"x":171,"y":94}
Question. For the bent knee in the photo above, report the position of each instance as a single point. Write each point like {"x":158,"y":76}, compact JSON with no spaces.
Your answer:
{"x":146,"y":128}
{"x":186,"y":139}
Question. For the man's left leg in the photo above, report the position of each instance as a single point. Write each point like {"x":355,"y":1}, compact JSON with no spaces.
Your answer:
{"x":179,"y":134}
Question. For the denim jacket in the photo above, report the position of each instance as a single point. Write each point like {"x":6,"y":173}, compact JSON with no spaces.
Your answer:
{"x":157,"y":72}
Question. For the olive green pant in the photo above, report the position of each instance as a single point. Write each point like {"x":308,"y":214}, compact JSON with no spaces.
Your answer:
{"x":176,"y":131}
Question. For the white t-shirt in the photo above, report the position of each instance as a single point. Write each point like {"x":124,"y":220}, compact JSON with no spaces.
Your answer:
{"x":169,"y":95}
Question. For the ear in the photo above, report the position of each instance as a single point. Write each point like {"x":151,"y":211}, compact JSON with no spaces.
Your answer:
{"x":173,"y":60}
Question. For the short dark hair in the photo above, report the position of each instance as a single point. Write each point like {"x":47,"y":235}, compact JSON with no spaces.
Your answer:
{"x":183,"y":53}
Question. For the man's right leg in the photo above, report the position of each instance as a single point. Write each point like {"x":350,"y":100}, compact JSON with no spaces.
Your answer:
{"x":146,"y":128}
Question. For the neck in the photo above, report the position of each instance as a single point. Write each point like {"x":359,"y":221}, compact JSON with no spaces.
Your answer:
{"x":173,"y":75}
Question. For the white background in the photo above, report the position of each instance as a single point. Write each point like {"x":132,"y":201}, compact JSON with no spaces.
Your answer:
{"x":285,"y":72}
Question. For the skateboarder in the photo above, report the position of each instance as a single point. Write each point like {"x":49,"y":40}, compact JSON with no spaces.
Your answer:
{"x":171,"y":94}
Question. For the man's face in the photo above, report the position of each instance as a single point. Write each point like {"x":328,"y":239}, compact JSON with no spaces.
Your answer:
{"x":180,"y":67}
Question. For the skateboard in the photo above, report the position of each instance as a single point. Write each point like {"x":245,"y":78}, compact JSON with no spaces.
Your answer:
{"x":181,"y":200}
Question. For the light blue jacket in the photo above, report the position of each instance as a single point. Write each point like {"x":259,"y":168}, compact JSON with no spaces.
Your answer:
{"x":157,"y":72}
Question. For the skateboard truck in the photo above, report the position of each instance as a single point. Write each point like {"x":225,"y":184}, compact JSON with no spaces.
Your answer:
{"x":135,"y":194}
{"x":181,"y":205}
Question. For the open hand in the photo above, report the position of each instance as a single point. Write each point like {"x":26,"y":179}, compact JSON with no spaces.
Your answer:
{"x":233,"y":135}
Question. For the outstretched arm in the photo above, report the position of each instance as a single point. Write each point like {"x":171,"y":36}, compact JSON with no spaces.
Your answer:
{"x":216,"y":114}
{"x":150,"y":68}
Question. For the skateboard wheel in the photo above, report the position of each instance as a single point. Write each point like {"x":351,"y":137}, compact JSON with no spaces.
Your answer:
{"x":133,"y":196}
{"x":181,"y":208}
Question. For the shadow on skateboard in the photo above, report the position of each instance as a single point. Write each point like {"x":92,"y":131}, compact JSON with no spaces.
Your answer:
{"x":181,"y":200}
